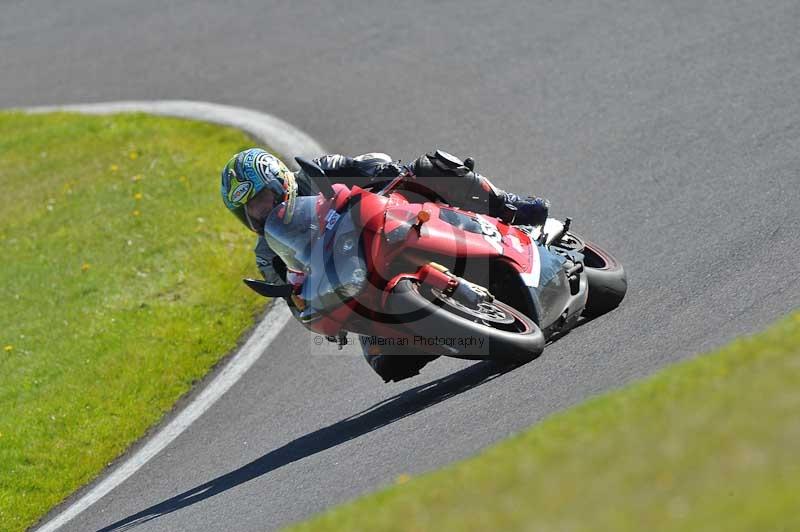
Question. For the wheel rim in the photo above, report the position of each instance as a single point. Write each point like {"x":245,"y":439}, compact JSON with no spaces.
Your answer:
{"x":594,"y":258}
{"x":490,"y":313}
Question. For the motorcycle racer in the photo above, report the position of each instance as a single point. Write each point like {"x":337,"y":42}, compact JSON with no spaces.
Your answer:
{"x":254,"y":181}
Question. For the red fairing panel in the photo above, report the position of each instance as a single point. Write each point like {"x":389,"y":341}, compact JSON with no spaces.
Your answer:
{"x":519,"y":248}
{"x":382,"y":215}
{"x":438,"y":236}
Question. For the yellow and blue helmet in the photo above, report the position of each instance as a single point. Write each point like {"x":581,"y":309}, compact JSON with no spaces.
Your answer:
{"x":249,"y":172}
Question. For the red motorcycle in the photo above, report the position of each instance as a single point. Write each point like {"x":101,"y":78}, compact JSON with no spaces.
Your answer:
{"x":431,"y":278}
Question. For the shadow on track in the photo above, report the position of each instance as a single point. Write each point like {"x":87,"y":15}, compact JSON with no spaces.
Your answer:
{"x":377,"y":416}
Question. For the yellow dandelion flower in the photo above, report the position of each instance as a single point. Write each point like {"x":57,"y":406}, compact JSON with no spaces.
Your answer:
{"x":136,"y":178}
{"x":136,"y":213}
{"x":85,"y":267}
{"x":113,"y":167}
{"x":133,"y":155}
{"x":137,"y":196}
{"x":8,"y":348}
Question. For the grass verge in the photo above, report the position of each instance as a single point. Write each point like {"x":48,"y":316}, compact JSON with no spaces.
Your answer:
{"x":710,"y":444}
{"x":120,"y":287}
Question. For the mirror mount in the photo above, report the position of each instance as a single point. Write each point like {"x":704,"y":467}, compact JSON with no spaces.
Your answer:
{"x":265,"y":289}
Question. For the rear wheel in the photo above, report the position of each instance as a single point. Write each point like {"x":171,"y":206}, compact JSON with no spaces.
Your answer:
{"x":607,"y":280}
{"x":489,"y":330}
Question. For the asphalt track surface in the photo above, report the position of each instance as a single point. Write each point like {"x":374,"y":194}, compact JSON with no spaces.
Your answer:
{"x":670,"y":131}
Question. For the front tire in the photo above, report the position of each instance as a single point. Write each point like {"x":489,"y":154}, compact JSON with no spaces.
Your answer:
{"x":509,"y":335}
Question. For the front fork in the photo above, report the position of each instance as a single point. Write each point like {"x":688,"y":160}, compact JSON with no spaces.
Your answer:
{"x":440,"y":278}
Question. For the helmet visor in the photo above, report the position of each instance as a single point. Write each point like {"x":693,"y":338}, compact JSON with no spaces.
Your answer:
{"x":258,"y":208}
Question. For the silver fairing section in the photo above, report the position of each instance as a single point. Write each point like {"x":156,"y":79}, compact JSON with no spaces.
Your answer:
{"x":552,"y":227}
{"x":551,"y":294}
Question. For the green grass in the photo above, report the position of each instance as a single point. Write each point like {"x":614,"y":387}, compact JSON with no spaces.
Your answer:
{"x":712,"y":444}
{"x":120,"y":285}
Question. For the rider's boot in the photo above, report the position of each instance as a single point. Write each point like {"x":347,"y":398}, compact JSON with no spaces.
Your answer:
{"x":530,"y":210}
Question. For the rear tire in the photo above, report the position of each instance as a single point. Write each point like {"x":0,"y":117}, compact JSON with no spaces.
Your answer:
{"x":607,"y":281}
{"x":429,"y":317}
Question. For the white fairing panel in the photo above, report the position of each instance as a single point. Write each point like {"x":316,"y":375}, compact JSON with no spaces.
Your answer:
{"x":551,"y":227}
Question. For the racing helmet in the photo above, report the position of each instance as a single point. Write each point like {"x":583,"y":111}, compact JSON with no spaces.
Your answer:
{"x":249,"y":172}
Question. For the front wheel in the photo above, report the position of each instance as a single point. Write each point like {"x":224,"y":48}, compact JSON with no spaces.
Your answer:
{"x":491,"y":330}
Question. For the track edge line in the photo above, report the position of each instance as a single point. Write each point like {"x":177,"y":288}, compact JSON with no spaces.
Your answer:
{"x":286,"y":140}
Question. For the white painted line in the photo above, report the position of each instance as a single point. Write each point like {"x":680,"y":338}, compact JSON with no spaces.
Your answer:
{"x":286,"y":140}
{"x":259,"y":341}
{"x":251,"y":351}
{"x":278,"y":134}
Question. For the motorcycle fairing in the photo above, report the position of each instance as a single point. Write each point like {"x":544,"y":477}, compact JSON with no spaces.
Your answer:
{"x":391,"y":228}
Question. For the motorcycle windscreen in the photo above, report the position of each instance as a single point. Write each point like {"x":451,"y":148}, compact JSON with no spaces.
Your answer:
{"x":292,"y":231}
{"x":337,"y":265}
